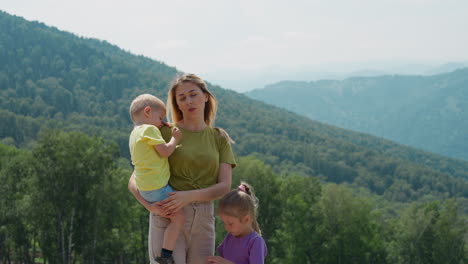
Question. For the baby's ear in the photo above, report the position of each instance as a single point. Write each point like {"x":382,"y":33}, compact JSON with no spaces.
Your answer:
{"x":147,"y":110}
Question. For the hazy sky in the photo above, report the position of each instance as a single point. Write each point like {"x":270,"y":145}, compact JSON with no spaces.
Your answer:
{"x":211,"y":36}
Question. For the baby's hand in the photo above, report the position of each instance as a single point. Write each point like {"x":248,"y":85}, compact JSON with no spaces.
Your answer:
{"x":177,"y":134}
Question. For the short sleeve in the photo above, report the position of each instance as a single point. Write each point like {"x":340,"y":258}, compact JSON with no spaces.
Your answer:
{"x":152,"y":136}
{"x":257,"y":251}
{"x":225,"y":152}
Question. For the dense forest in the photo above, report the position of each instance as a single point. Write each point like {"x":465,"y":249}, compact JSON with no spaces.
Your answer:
{"x":64,"y":166}
{"x":426,"y":112}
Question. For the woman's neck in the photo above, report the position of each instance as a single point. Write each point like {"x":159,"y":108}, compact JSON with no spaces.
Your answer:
{"x":192,"y":125}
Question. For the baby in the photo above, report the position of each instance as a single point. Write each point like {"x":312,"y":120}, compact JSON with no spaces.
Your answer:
{"x":149,"y":153}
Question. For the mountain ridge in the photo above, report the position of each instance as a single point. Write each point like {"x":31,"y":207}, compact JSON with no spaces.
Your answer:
{"x":87,"y":85}
{"x":422,"y":111}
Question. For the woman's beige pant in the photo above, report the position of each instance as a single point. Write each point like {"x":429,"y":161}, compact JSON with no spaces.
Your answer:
{"x":195,"y":243}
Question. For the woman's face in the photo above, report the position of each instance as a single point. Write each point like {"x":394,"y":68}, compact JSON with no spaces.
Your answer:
{"x":191,"y":99}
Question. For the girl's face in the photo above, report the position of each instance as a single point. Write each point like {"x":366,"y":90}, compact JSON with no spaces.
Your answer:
{"x":191,"y":99}
{"x":235,"y":226}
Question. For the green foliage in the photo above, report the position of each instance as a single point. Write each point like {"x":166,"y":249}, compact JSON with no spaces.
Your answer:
{"x":64,"y":195}
{"x":430,"y":233}
{"x":296,"y":237}
{"x":16,"y":231}
{"x":67,"y":201}
{"x":53,"y":79}
{"x":348,"y":229}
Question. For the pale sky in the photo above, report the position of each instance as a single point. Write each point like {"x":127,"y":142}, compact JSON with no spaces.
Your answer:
{"x":235,"y":37}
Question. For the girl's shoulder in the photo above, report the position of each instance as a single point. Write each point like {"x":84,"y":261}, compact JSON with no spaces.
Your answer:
{"x":255,"y":240}
{"x":251,"y":238}
{"x":255,"y":236}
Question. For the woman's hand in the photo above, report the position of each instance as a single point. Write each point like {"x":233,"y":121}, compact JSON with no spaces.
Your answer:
{"x":179,"y":199}
{"x":218,"y":260}
{"x":176,"y":201}
{"x":156,"y":208}
{"x":152,"y":207}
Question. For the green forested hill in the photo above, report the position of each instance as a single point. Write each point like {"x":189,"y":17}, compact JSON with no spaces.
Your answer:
{"x":64,"y":167}
{"x":427,"y":112}
{"x":50,"y":78}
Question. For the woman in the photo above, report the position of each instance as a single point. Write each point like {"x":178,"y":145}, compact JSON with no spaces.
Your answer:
{"x":201,"y":170}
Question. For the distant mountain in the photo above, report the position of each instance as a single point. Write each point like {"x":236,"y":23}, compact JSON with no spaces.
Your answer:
{"x":247,"y":80}
{"x":448,"y":67}
{"x":243,"y":80}
{"x":54,"y":79}
{"x":427,"y":112}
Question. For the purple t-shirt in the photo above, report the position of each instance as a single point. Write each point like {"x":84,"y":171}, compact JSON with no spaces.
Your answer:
{"x":250,"y":249}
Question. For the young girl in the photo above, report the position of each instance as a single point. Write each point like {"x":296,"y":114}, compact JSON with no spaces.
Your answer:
{"x":243,"y":244}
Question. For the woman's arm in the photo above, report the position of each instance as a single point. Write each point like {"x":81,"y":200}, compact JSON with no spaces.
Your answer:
{"x":179,"y":199}
{"x":152,"y":207}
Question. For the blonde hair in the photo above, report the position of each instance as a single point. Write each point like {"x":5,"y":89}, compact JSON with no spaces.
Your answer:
{"x":239,"y":203}
{"x":175,"y":114}
{"x":142,"y":101}
{"x":211,"y":105}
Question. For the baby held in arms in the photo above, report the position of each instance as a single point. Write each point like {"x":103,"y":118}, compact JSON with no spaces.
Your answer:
{"x":149,"y":152}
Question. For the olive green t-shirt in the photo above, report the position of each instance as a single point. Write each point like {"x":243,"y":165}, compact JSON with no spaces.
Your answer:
{"x":195,"y":162}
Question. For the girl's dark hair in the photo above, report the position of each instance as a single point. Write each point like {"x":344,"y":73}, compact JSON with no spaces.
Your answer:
{"x":239,"y":203}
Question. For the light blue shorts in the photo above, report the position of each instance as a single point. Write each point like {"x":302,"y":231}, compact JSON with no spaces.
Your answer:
{"x":156,"y":195}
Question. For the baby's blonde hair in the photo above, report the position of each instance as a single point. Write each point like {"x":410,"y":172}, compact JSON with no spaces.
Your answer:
{"x":142,"y":101}
{"x":239,"y":203}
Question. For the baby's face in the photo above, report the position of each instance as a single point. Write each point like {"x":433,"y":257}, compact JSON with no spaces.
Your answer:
{"x":157,"y":117}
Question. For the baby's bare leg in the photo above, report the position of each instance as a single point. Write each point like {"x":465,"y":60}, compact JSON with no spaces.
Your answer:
{"x":173,"y":229}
